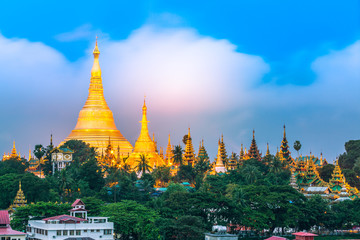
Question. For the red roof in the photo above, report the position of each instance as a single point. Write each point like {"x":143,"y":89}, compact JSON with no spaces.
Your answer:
{"x":65,"y":218}
{"x":305,"y":234}
{"x":276,"y":238}
{"x":4,"y":217}
{"x":78,"y":209}
{"x":9,"y":231}
{"x":77,"y":202}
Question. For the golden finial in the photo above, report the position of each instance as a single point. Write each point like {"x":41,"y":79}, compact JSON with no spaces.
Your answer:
{"x":189,"y":134}
{"x":19,"y":185}
{"x":253,"y":133}
{"x":267,"y":150}
{"x":222,"y":138}
{"x":169,"y":139}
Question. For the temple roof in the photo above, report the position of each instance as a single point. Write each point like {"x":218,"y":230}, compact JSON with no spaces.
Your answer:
{"x":78,"y":202}
{"x":305,"y":234}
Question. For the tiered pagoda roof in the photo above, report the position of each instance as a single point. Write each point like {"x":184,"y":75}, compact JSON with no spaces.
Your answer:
{"x":189,"y":155}
{"x":254,"y":151}
{"x":169,"y":153}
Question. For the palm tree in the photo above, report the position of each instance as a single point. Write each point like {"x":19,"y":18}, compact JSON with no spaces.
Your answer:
{"x":297,"y":146}
{"x":125,"y":167}
{"x":143,"y":165}
{"x":177,"y":158}
{"x":66,"y":183}
{"x":251,"y":174}
{"x":39,"y":153}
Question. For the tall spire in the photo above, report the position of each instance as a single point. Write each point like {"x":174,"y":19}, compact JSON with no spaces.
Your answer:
{"x":169,"y":152}
{"x":219,"y":165}
{"x":145,"y":145}
{"x":267,"y":150}
{"x":189,"y":155}
{"x":96,"y":122}
{"x":284,"y":150}
{"x":254,"y":151}
{"x":19,"y":200}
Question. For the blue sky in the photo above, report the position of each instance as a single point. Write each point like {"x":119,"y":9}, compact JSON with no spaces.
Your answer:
{"x":249,"y":64}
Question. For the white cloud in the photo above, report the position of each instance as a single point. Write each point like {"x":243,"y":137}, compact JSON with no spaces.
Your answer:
{"x":189,"y":80}
{"x":84,"y":32}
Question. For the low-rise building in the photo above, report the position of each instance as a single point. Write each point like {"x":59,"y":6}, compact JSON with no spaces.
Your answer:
{"x":70,"y":227}
{"x":6,"y":232}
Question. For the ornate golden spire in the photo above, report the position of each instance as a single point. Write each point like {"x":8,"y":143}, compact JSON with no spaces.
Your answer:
{"x":19,"y":198}
{"x":189,"y":155}
{"x":267,"y":150}
{"x":95,"y":122}
{"x":13,"y":151}
{"x":169,"y":153}
{"x":145,"y":145}
{"x":219,"y":165}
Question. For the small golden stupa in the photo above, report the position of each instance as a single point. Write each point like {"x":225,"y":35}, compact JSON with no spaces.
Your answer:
{"x":96,"y":124}
{"x":145,"y":146}
{"x":19,"y":200}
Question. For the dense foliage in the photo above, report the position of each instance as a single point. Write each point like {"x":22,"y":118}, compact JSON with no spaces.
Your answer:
{"x":255,"y":195}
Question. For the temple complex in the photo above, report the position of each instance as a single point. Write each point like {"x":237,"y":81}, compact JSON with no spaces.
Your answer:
{"x":145,"y":145}
{"x":95,"y":122}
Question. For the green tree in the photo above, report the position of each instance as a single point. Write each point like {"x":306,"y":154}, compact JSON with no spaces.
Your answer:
{"x":40,"y":209}
{"x":143,"y":165}
{"x":297,"y":146}
{"x":93,"y":205}
{"x":186,"y":228}
{"x":162,"y":175}
{"x":132,"y":220}
{"x":177,"y":157}
{"x":326,"y":171}
{"x":39,"y":152}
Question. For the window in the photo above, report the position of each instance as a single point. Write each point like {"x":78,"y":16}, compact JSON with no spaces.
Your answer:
{"x":72,"y":232}
{"x":58,"y":232}
{"x":78,"y":232}
{"x":107,"y":231}
{"x":46,"y":232}
{"x":85,"y":230}
{"x":92,"y":230}
{"x":65,"y":232}
{"x":98,"y":230}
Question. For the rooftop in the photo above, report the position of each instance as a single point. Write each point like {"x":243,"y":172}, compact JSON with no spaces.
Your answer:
{"x":4,"y":217}
{"x":65,"y":218}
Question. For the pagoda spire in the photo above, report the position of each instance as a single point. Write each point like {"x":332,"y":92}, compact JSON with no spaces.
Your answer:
{"x":144,"y":145}
{"x":284,"y":150}
{"x":219,"y":165}
{"x":189,"y":155}
{"x":13,"y":151}
{"x":169,"y":152}
{"x":241,"y":156}
{"x":267,"y":150}
{"x":202,"y":155}
{"x":254,"y":151}
{"x":144,"y":142}
{"x":224,"y":156}
{"x":19,"y":200}
{"x":96,"y":122}
{"x":337,"y":179}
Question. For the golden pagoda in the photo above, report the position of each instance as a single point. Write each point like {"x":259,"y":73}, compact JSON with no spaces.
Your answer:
{"x":253,"y":150}
{"x":19,"y":200}
{"x":337,"y":179}
{"x":96,"y":122}
{"x":219,"y":164}
{"x":189,"y":155}
{"x":145,"y":146}
{"x":169,"y":153}
{"x":267,"y":150}
{"x":12,"y":155}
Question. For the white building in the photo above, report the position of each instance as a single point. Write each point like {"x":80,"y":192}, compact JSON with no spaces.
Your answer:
{"x":70,"y":227}
{"x":6,"y":232}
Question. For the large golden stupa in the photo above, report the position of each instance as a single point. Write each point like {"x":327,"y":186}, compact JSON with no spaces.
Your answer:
{"x":96,"y":124}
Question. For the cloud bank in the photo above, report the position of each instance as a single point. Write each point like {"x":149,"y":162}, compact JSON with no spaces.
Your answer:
{"x":189,"y":80}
